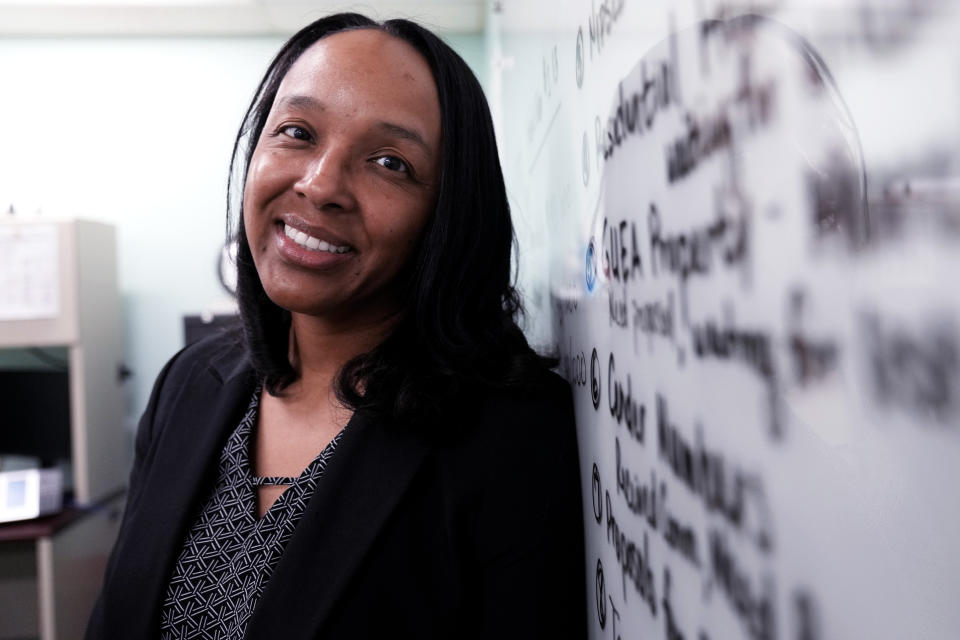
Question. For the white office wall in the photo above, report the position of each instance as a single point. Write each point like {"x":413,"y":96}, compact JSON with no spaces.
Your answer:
{"x":138,"y":132}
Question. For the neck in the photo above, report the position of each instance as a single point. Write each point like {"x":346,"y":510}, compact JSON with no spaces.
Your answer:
{"x":319,"y":348}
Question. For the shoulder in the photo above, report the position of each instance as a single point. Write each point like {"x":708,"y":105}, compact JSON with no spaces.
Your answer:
{"x":528,"y":429}
{"x":538,"y":408}
{"x":511,"y":481}
{"x":223,"y":356}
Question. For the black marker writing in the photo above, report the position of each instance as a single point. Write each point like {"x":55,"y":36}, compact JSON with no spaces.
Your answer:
{"x":672,"y":630}
{"x":600,"y":591}
{"x":680,"y":537}
{"x":916,"y":370}
{"x":621,"y":253}
{"x":755,"y":610}
{"x":574,"y":365}
{"x":750,"y":346}
{"x":637,"y":111}
{"x":692,"y":252}
{"x":701,"y":138}
{"x":618,"y":306}
{"x":634,"y":560}
{"x":734,"y":20}
{"x":807,"y":622}
{"x":595,"y":383}
{"x":813,"y":359}
{"x":564,"y":307}
{"x":550,"y":69}
{"x":640,"y":498}
{"x":597,"y":494}
{"x":837,"y":199}
{"x":616,"y":617}
{"x":643,"y":499}
{"x":653,"y":318}
{"x":726,"y":490}
{"x":623,"y":407}
{"x":601,"y":22}
{"x":580,"y":61}
{"x":755,"y":101}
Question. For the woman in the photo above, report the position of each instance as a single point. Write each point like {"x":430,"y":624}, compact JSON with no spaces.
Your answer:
{"x":381,"y":454}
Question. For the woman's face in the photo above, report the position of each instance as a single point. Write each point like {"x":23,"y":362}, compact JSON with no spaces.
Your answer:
{"x":344,"y":176}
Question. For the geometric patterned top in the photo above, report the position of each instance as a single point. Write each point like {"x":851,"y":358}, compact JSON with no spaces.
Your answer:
{"x":229,"y":554}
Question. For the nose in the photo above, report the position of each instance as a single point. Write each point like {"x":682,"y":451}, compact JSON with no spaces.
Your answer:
{"x":326,"y":181}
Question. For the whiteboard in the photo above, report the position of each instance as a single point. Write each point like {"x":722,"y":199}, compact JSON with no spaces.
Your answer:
{"x":749,"y":278}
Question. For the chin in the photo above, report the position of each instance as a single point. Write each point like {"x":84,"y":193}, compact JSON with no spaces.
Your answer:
{"x":331,"y":300}
{"x":297,"y":302}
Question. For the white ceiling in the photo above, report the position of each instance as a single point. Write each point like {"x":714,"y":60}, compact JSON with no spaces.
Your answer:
{"x":218,"y":17}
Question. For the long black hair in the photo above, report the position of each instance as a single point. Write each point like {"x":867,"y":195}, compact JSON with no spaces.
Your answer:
{"x":459,"y":329}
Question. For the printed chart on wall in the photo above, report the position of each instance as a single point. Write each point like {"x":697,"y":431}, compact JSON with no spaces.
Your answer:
{"x":749,"y":278}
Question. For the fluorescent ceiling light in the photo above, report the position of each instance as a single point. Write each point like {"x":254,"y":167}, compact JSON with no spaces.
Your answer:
{"x":123,"y":3}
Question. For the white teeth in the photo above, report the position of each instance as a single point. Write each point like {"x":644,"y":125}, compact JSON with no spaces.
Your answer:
{"x":314,"y":244}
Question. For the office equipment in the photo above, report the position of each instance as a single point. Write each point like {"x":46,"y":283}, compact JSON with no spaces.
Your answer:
{"x":85,"y":321}
{"x":36,"y":414}
{"x":202,"y":325}
{"x":30,"y":493}
{"x":766,"y":379}
{"x":60,"y":351}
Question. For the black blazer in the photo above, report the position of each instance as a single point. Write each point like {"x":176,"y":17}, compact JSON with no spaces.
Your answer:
{"x":476,"y":536}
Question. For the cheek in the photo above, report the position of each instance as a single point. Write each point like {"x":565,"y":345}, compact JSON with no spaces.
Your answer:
{"x":255,"y":195}
{"x":253,"y":227}
{"x":405,"y":244}
{"x":405,"y":237}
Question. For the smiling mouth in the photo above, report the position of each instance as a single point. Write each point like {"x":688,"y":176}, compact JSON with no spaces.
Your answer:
{"x":311,"y":243}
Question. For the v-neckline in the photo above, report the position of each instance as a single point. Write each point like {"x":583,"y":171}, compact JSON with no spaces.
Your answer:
{"x":297,"y":485}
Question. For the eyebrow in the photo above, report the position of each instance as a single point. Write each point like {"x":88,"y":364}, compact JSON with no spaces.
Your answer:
{"x":310,"y":103}
{"x":406,"y":134}
{"x":302,"y":102}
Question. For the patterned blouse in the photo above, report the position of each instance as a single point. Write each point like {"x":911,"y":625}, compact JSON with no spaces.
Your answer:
{"x":229,"y":554}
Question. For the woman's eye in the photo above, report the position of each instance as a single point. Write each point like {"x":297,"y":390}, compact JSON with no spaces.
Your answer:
{"x":296,"y":132}
{"x":392,"y":163}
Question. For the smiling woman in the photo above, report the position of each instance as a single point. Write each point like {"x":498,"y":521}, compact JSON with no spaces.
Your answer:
{"x":357,"y":464}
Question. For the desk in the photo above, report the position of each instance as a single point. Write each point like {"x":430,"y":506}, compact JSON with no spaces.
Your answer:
{"x":51,"y":569}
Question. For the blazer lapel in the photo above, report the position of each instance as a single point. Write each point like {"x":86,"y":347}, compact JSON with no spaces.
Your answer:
{"x":362,"y":484}
{"x":177,"y":479}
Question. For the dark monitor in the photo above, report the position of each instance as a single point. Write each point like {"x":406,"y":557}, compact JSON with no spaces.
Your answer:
{"x":200,"y":326}
{"x":35,"y":414}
